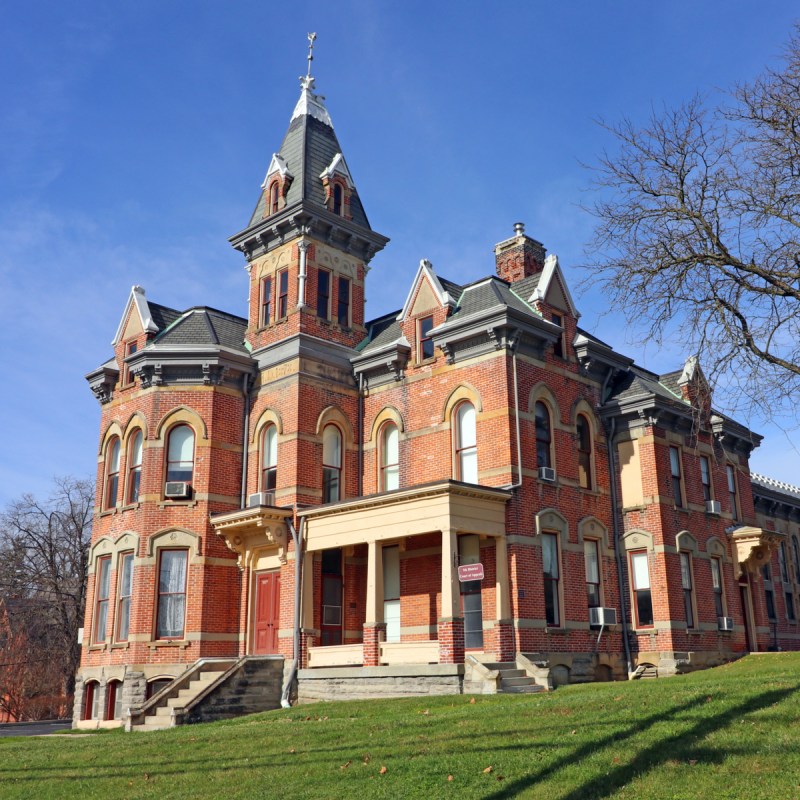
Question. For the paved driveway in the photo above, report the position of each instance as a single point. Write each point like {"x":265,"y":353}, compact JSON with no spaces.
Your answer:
{"x":34,"y":728}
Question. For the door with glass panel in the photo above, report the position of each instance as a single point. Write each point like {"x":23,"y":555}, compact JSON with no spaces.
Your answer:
{"x":332,"y":585}
{"x":469,"y":552}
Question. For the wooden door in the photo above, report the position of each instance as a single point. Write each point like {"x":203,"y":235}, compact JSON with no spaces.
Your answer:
{"x":267,"y":612}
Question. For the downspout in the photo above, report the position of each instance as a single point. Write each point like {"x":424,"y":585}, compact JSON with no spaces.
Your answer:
{"x":360,"y":434}
{"x":611,"y":430}
{"x":297,"y":538}
{"x":245,"y":432}
{"x":514,"y":346}
{"x":302,"y":247}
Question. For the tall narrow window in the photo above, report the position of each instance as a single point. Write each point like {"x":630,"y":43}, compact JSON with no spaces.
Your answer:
{"x":331,"y":464}
{"x":323,"y":293}
{"x":112,"y":472}
{"x":114,"y":700}
{"x":796,"y":552}
{"x":171,"y":594}
{"x":266,"y":301}
{"x":338,"y":198}
{"x":783,"y":562}
{"x":90,"y":700}
{"x":283,"y":293}
{"x":273,"y":198}
{"x":584,"y":452}
{"x":705,"y":477}
{"x":180,"y":454}
{"x":732,"y":493}
{"x":390,"y":457}
{"x":592,"y":561}
{"x":332,"y":600}
{"x":551,"y":575}
{"x":466,"y":444}
{"x":558,"y":345}
{"x":643,"y":598}
{"x":135,"y":466}
{"x":688,"y":588}
{"x":716,"y":586}
{"x":269,"y":458}
{"x":424,"y":340}
{"x":789,"y":600}
{"x":124,"y":594}
{"x":102,"y":591}
{"x":543,"y":435}
{"x":130,"y":349}
{"x":675,"y":469}
{"x":769,"y":592}
{"x":343,"y":303}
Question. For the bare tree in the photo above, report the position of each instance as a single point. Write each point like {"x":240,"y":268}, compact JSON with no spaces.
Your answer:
{"x":698,"y":234}
{"x":43,"y":556}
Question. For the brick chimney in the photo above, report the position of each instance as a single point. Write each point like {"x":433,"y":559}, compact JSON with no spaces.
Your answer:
{"x":519,"y":256}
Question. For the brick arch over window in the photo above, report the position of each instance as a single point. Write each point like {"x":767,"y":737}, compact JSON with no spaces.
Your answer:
{"x":333,"y":414}
{"x":541,"y":391}
{"x":113,"y":429}
{"x":386,"y":414}
{"x":136,"y":420}
{"x":461,"y":393}
{"x":181,"y":415}
{"x":267,"y":417}
{"x":549,"y":519}
{"x":592,"y":528}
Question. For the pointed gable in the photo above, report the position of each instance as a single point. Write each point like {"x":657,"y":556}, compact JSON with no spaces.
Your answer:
{"x":136,"y":318}
{"x":427,"y":293}
{"x":552,"y":288}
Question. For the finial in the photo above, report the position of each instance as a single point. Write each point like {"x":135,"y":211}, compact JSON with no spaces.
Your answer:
{"x":306,"y":81}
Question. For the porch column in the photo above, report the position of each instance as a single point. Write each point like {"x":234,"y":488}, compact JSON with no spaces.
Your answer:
{"x":307,"y":612}
{"x":451,"y":623}
{"x":505,"y":627}
{"x":374,"y":626}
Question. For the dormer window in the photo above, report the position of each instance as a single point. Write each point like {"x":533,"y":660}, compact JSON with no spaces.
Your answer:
{"x":558,"y":345}
{"x":424,"y":340}
{"x":273,"y":198}
{"x":343,"y":303}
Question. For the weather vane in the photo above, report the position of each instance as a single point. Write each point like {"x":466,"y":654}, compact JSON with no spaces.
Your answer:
{"x":311,"y":38}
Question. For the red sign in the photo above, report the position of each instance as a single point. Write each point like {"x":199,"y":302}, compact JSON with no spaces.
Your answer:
{"x":470,"y":572}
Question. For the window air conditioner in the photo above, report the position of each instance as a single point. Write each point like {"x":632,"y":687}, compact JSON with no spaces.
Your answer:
{"x":177,"y":490}
{"x":725,"y":623}
{"x":547,"y":474}
{"x":713,"y":507}
{"x":261,"y":499}
{"x":602,"y":616}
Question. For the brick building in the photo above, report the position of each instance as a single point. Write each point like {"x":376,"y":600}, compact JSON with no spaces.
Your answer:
{"x":299,"y":487}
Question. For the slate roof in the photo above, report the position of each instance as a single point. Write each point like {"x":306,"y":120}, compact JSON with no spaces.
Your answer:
{"x":381,"y":331}
{"x":485,"y":295}
{"x":670,"y":380}
{"x":162,"y":315}
{"x":308,"y":148}
{"x":637,"y":382}
{"x":764,"y":482}
{"x":205,"y":326}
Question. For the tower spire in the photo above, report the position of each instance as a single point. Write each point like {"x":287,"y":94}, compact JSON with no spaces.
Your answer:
{"x":307,"y":81}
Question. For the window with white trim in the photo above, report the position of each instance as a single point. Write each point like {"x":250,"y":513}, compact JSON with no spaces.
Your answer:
{"x":466,"y":443}
{"x":269,"y":458}
{"x":101,"y":596}
{"x":389,"y":457}
{"x":112,"y":473}
{"x":171,"y":613}
{"x":331,"y":464}
{"x":543,"y":435}
{"x":642,"y":593}
{"x":551,"y":574}
{"x":687,"y":584}
{"x":180,"y":454}
{"x":591,"y":557}
{"x":716,"y":586}
{"x":124,"y":596}
{"x":134,"y":466}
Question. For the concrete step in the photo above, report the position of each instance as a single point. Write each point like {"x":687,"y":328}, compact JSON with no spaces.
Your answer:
{"x":520,"y":680}
{"x":513,"y":673}
{"x":501,"y":665}
{"x":531,"y":688}
{"x":148,"y":726}
{"x":161,"y":712}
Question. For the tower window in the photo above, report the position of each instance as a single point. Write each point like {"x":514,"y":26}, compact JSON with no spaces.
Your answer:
{"x":134,"y":466}
{"x":180,"y":454}
{"x":273,"y":198}
{"x":675,"y":470}
{"x":584,"y":452}
{"x":269,"y":458}
{"x":112,"y":472}
{"x":102,"y":591}
{"x":343,"y":303}
{"x":171,"y":594}
{"x":283,"y":293}
{"x":125,"y":593}
{"x":323,"y":293}
{"x":390,"y":457}
{"x":424,"y":340}
{"x":266,"y":301}
{"x":130,"y":349}
{"x":732,"y":493}
{"x":466,"y":443}
{"x":551,"y":575}
{"x":543,"y":435}
{"x":338,"y":200}
{"x":331,"y":464}
{"x":558,"y":345}
{"x":705,"y":479}
{"x":642,"y":594}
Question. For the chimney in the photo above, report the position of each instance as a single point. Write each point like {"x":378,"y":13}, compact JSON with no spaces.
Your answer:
{"x":519,"y":256}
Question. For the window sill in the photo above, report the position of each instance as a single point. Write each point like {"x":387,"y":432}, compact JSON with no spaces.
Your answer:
{"x":179,"y":643}
{"x":97,"y":648}
{"x":120,"y":646}
{"x":131,"y":507}
{"x":177,"y":504}
{"x":556,"y":631}
{"x":108,"y":512}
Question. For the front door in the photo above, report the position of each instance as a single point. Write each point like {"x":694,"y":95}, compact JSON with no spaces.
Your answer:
{"x":744,"y":596}
{"x":267,"y":612}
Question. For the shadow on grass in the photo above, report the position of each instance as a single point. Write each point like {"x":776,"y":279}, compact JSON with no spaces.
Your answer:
{"x":679,"y":746}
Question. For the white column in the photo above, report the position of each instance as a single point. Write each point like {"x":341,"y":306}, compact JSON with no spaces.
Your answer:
{"x":451,"y":592}
{"x":308,"y":591}
{"x":374,"y":583}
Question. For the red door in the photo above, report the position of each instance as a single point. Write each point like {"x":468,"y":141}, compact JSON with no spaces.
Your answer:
{"x":268,"y":603}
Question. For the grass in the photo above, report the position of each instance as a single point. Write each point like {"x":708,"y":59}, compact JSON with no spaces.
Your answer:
{"x":731,"y":732}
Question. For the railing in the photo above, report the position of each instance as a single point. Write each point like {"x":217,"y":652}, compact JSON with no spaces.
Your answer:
{"x":424,"y":652}
{"x":338,"y":655}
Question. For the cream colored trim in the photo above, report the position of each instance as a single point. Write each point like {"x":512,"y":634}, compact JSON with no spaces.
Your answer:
{"x":462,"y":392}
{"x":638,"y":539}
{"x":592,"y":528}
{"x":173,"y":537}
{"x":550,"y":519}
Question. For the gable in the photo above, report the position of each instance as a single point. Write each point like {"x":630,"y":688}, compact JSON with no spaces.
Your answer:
{"x":556,"y":297}
{"x":425,"y":300}
{"x":133,"y":327}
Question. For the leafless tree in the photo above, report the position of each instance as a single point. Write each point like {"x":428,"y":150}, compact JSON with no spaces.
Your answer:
{"x":698,"y":234}
{"x":43,"y":557}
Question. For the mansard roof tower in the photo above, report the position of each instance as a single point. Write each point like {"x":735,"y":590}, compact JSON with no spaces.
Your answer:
{"x":308,"y":216}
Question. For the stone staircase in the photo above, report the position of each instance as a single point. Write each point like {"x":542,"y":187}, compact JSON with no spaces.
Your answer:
{"x":163,"y":716}
{"x":213,"y":689}
{"x":514,"y":680}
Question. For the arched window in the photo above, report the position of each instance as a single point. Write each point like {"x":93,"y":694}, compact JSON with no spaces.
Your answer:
{"x":273,"y":198}
{"x":584,"y":432}
{"x":114,"y":700}
{"x":466,"y":444}
{"x":134,"y":466}
{"x":269,"y":458}
{"x":112,"y":472}
{"x":338,"y":197}
{"x":180,"y":454}
{"x":331,"y":464}
{"x":543,"y":435}
{"x":91,"y":699}
{"x":390,"y":457}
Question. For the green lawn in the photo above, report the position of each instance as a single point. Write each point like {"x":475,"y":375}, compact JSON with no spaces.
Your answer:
{"x":731,"y":732}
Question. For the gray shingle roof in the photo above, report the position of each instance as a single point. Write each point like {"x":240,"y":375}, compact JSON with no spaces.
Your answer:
{"x":205,"y":326}
{"x":308,"y":148}
{"x":163,"y":316}
{"x":381,"y":331}
{"x":485,"y":295}
{"x":638,"y":382}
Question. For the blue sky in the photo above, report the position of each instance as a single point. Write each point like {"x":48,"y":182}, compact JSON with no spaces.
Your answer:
{"x":134,"y":137}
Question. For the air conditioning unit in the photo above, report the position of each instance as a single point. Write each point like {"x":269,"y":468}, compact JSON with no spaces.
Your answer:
{"x":713,"y":507}
{"x":261,"y":499}
{"x":725,"y":623}
{"x":177,"y":490}
{"x":602,"y":616}
{"x":547,"y":474}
